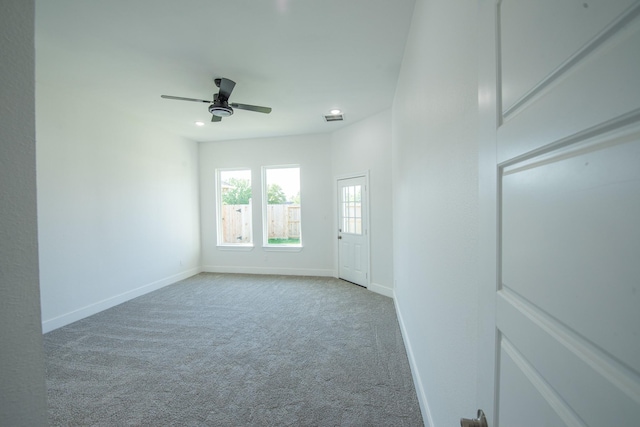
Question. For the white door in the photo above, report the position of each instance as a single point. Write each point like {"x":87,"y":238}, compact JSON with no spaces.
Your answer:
{"x":353,"y":239}
{"x":560,"y":212}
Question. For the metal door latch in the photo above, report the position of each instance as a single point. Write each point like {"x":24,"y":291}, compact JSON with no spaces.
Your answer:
{"x":481,"y":421}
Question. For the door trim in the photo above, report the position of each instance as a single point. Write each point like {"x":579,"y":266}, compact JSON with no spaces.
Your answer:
{"x":490,"y":118}
{"x":336,"y":245}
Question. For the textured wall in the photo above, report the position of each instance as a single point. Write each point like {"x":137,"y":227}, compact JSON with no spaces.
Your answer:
{"x":366,"y":145}
{"x":435,"y":212}
{"x":22,"y":390}
{"x":117,"y":205}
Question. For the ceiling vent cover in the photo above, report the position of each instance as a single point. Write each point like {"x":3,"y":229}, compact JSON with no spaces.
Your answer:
{"x":334,"y":117}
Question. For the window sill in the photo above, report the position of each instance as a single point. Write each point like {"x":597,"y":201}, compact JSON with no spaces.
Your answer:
{"x":245,"y":248}
{"x":282,"y":248}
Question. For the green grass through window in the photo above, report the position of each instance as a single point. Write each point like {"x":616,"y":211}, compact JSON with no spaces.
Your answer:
{"x":284,"y":241}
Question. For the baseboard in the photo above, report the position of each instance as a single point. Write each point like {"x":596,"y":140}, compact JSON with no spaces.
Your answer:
{"x":415,"y":373}
{"x":91,"y":309}
{"x":381,"y":289}
{"x":268,"y":270}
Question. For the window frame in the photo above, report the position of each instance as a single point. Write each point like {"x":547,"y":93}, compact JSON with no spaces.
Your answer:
{"x":351,"y":211}
{"x":219,"y":232}
{"x":284,"y":247}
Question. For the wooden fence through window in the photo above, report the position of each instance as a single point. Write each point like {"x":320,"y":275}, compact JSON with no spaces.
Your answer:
{"x":236,"y":223}
{"x":283,"y":222}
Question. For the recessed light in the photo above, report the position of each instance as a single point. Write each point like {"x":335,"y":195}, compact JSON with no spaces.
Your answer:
{"x":199,"y":123}
{"x":335,"y":111}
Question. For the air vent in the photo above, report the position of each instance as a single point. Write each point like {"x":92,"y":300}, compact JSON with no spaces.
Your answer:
{"x":334,"y":117}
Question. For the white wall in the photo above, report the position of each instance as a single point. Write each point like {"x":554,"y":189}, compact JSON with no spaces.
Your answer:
{"x":313,"y":154}
{"x":366,"y":146}
{"x":118,"y":207}
{"x":22,"y":384}
{"x":436,"y":206}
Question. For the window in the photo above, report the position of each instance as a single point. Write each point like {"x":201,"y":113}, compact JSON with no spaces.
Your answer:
{"x":281,"y":206}
{"x":234,"y":207}
{"x":351,"y":201}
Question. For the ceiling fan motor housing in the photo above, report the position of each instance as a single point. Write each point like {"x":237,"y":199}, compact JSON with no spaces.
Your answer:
{"x":221,"y":109}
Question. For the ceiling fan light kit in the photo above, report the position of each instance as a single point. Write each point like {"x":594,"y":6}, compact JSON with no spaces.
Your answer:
{"x":220,"y":110}
{"x":220,"y":107}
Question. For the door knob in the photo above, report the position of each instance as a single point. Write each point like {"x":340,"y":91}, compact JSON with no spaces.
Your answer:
{"x":481,"y":421}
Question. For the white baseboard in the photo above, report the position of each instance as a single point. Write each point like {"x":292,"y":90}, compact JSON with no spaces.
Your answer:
{"x":268,"y":270}
{"x":415,"y":373}
{"x":91,"y":309}
{"x":381,"y":289}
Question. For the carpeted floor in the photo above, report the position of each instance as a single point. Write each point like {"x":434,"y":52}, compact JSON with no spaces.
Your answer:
{"x":235,"y":350}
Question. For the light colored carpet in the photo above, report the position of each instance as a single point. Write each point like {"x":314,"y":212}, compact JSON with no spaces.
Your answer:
{"x":235,"y":350}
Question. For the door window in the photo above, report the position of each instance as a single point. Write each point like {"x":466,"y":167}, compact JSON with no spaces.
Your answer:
{"x":352,"y":209}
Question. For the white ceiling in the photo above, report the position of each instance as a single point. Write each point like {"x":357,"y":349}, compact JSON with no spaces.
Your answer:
{"x":300,"y":57}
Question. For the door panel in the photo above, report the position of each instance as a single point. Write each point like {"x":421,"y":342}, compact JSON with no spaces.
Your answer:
{"x":357,"y":257}
{"x":570,"y":373}
{"x":566,"y":29}
{"x":589,"y":96}
{"x":570,"y":240}
{"x":561,"y":209}
{"x":523,"y":402}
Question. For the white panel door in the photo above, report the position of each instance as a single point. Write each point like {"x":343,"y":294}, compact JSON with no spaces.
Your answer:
{"x":560,"y":212}
{"x":353,"y":240}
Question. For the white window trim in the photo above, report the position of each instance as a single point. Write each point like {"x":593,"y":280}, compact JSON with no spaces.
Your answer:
{"x":282,"y":248}
{"x":236,"y":247}
{"x":219,"y":243}
{"x":265,"y":224}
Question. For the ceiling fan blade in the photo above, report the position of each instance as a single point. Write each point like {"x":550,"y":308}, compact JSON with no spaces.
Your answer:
{"x":215,"y":118}
{"x":226,"y":87}
{"x":256,"y":108}
{"x":180,"y":98}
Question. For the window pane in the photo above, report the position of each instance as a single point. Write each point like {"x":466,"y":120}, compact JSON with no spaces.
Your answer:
{"x":282,"y":208}
{"x":352,"y":209}
{"x":234,"y":219}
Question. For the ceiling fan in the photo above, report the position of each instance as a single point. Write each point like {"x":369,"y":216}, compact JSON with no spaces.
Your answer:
{"x":220,"y":106}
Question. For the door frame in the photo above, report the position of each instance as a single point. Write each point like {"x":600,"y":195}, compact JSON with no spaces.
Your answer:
{"x":367,"y":211}
{"x":489,"y":112}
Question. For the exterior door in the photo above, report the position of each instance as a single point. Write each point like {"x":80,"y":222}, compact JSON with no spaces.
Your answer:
{"x":560,"y":212}
{"x":353,"y":239}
